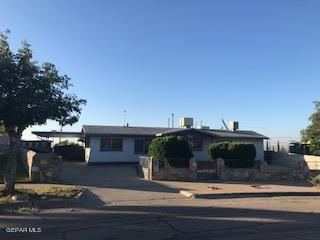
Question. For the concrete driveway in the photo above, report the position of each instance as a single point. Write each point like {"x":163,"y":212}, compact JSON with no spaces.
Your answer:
{"x":115,"y":184}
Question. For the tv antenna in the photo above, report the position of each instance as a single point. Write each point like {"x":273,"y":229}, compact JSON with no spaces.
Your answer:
{"x":124,"y":117}
{"x":224,"y":124}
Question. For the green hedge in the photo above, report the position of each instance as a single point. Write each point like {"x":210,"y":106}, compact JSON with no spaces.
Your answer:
{"x":316,"y":152}
{"x":174,"y":149}
{"x":235,"y":154}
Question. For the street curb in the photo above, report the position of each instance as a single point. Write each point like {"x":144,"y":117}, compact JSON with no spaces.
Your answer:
{"x":79,"y":194}
{"x":188,"y":194}
{"x":247,"y":195}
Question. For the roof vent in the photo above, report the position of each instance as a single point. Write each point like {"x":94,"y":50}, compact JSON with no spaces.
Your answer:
{"x":186,"y":122}
{"x":233,"y":126}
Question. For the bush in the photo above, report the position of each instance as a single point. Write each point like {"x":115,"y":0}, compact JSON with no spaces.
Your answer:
{"x":174,"y":149}
{"x":235,"y":154}
{"x":299,"y":148}
{"x":316,"y":181}
{"x":316,"y":153}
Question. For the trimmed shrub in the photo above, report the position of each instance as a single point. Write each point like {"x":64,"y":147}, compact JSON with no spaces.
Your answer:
{"x":235,"y":154}
{"x":174,"y":149}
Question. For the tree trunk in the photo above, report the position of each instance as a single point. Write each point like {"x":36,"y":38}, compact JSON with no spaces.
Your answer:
{"x":10,"y":173}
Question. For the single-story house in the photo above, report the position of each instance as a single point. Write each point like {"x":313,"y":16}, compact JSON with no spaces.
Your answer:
{"x":124,"y":144}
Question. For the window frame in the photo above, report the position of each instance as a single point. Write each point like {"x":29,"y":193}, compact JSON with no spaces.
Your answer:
{"x":192,"y":145}
{"x":144,"y":145}
{"x":111,"y":149}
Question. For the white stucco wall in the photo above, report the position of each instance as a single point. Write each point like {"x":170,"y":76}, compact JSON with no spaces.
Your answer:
{"x":202,"y":155}
{"x":126,"y":155}
{"x":94,"y":155}
{"x":259,"y":148}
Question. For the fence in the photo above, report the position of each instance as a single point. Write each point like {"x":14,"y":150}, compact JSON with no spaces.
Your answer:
{"x":70,"y":152}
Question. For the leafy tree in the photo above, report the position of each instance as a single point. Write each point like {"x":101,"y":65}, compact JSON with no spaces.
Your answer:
{"x":312,"y":132}
{"x":30,"y":94}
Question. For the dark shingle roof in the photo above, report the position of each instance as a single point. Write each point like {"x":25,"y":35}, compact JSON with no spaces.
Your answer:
{"x":216,"y":133}
{"x":236,"y":134}
{"x":159,"y":131}
{"x":58,"y":134}
{"x":119,"y":130}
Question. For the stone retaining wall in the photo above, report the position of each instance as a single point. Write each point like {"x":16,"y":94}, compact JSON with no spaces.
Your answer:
{"x":240,"y":174}
{"x":296,"y":161}
{"x":261,"y":172}
{"x":150,"y":169}
{"x":42,"y":167}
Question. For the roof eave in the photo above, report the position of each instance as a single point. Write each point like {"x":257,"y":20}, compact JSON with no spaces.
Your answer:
{"x":118,"y":134}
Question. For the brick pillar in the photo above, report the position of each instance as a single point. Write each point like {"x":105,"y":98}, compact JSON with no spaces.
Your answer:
{"x":193,"y":169}
{"x":220,"y":167}
{"x":262,"y":165}
{"x":155,"y":168}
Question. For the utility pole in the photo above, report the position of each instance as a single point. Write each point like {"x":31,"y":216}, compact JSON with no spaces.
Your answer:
{"x":124,"y":117}
{"x":172,"y":119}
{"x":60,"y":134}
{"x":168,"y":122}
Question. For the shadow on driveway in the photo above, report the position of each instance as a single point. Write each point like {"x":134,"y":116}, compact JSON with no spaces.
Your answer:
{"x":116,"y":183}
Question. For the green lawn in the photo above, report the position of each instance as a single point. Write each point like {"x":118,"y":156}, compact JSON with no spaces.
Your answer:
{"x":22,"y":174}
{"x":48,"y":191}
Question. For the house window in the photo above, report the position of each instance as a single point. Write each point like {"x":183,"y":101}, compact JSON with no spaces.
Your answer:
{"x":141,"y":146}
{"x":196,"y":145}
{"x":111,"y":144}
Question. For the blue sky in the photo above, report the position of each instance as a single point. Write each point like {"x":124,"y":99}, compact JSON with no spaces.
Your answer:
{"x":252,"y":61}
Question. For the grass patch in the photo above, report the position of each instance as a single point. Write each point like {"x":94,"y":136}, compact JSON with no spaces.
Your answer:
{"x":4,"y":198}
{"x":29,"y":197}
{"x":27,"y":210}
{"x":45,"y":192}
{"x":10,"y":210}
{"x":22,"y":175}
{"x":51,"y":192}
